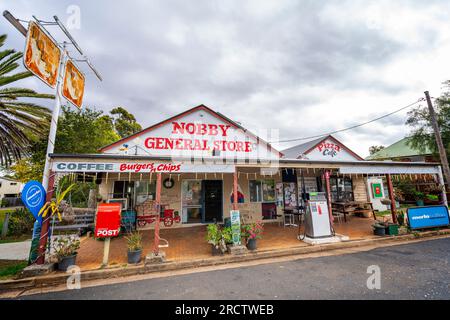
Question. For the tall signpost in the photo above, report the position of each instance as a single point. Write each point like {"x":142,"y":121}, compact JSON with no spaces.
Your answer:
{"x":46,"y":60}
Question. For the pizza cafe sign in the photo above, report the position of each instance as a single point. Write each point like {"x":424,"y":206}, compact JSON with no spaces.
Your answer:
{"x":137,"y":167}
{"x":198,"y":137}
{"x":328,"y":149}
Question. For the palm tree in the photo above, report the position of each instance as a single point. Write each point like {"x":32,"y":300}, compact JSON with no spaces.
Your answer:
{"x":21,"y":122}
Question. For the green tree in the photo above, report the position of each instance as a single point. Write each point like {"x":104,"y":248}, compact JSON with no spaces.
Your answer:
{"x":124,"y":122}
{"x":78,"y":132}
{"x":422,"y":135}
{"x":375,"y":149}
{"x":83,"y":132}
{"x":21,"y":122}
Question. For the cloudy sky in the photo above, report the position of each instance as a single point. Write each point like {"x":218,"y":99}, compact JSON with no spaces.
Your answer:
{"x":303,"y":67}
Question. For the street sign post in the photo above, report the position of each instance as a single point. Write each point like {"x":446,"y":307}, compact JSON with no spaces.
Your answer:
{"x":33,"y":197}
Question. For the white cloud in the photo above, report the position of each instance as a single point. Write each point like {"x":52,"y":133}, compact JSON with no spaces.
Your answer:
{"x":302,"y":67}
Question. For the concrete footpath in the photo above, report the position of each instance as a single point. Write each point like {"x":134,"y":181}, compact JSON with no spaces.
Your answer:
{"x":15,"y":250}
{"x":58,"y":279}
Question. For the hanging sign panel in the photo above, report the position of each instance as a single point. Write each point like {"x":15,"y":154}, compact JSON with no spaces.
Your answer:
{"x":73,"y":84}
{"x":139,"y":167}
{"x":428,"y":217}
{"x":42,"y":55}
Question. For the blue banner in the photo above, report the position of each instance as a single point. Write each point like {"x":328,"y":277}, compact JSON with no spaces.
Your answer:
{"x":428,"y":217}
{"x":33,"y":197}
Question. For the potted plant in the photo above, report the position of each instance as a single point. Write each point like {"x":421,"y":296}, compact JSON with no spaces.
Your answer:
{"x":431,"y":199}
{"x":65,"y":249}
{"x":215,"y":237}
{"x":134,"y":245}
{"x":252,"y":232}
{"x":419,"y":196}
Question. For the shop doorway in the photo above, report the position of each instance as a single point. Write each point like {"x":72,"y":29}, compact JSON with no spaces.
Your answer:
{"x":212,"y":200}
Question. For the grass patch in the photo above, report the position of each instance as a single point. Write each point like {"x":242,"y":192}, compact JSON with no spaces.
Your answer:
{"x":11,"y":268}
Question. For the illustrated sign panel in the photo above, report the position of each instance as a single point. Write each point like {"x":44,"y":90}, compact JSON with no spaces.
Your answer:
{"x":377,"y":190}
{"x":42,"y":55}
{"x":428,"y":217}
{"x":33,"y":197}
{"x":73,"y":85}
{"x":236,"y":226}
{"x":107,"y":223}
{"x":138,"y":167}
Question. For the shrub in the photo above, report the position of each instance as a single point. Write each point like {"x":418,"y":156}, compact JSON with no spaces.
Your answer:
{"x":66,"y":246}
{"x":253,"y":230}
{"x":20,"y":222}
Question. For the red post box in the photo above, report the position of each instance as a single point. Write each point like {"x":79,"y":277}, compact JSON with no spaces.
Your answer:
{"x":108,"y":220}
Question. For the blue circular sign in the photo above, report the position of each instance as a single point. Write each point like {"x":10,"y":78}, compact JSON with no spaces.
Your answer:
{"x":34,"y":196}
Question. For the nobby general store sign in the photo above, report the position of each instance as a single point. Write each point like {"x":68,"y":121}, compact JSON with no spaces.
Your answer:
{"x":138,"y":167}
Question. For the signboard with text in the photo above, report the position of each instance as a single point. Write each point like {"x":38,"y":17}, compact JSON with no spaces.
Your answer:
{"x":200,"y":132}
{"x":107,"y":222}
{"x":428,"y":217}
{"x":236,"y":226}
{"x":138,"y":167}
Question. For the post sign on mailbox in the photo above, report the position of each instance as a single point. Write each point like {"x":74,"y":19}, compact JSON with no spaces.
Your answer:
{"x":108,"y":220}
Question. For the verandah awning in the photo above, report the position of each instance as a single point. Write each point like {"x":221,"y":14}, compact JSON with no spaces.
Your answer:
{"x":389,"y":169}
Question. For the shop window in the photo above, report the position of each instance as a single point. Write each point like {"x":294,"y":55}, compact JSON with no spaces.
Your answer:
{"x":144,"y":190}
{"x":262,"y":190}
{"x":341,"y":189}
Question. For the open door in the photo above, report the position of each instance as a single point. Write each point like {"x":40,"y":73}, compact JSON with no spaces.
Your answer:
{"x":212,"y":200}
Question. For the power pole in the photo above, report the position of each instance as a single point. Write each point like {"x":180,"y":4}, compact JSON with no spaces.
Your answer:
{"x":440,"y":144}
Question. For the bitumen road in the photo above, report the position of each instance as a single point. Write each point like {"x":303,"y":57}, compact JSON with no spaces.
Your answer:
{"x":418,"y":270}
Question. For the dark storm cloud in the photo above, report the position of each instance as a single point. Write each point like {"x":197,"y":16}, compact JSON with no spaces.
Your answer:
{"x":267,"y":64}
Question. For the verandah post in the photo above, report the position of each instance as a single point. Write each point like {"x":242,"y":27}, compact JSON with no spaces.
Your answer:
{"x":158,"y":213}
{"x":392,"y":198}
{"x":235,"y":189}
{"x":328,"y":187}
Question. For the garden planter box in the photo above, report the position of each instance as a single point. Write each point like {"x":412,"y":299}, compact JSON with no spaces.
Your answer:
{"x":392,"y":229}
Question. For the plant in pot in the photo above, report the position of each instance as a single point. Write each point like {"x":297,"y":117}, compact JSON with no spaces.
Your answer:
{"x":134,"y":245}
{"x":66,"y":250}
{"x":215,"y":237}
{"x":431,"y":199}
{"x":252,"y":232}
{"x":419,"y":196}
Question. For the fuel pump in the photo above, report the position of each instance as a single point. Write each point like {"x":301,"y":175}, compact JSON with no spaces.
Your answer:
{"x":318,"y":228}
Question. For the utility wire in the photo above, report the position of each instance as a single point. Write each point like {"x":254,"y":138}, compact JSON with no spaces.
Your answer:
{"x":352,"y":127}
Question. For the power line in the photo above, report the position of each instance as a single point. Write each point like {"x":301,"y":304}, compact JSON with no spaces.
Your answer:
{"x":352,"y":127}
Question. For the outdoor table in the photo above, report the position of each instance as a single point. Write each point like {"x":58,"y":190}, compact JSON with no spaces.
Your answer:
{"x":355,"y":207}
